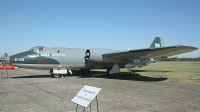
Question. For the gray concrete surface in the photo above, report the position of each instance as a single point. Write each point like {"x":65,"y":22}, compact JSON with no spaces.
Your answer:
{"x":36,"y":91}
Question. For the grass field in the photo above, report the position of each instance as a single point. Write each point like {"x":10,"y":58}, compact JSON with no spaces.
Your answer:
{"x":184,"y":72}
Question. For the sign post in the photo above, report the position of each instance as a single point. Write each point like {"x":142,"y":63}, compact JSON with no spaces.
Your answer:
{"x":85,"y":96}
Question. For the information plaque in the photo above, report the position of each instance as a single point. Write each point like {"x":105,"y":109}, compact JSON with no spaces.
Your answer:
{"x":86,"y":95}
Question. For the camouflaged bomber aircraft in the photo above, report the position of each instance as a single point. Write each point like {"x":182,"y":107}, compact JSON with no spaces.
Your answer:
{"x":63,"y":60}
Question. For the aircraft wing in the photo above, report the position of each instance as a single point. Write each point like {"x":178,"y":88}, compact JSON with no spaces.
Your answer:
{"x":149,"y":52}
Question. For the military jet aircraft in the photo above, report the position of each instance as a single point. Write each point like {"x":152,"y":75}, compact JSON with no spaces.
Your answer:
{"x":151,"y":60}
{"x":63,"y":60}
{"x":3,"y":58}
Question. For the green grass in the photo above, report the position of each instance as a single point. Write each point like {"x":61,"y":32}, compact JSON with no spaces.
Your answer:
{"x":184,"y":72}
{"x":169,"y":67}
{"x":191,"y":79}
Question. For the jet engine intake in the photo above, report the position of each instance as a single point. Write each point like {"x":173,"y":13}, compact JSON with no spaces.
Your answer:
{"x":87,"y":56}
{"x":95,"y":56}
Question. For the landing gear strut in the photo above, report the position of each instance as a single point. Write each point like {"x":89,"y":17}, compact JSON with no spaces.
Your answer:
{"x":113,"y":71}
{"x":113,"y":75}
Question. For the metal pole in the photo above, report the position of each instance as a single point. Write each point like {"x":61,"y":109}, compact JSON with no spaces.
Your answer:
{"x":90,"y":107}
{"x":97,"y":104}
{"x":2,"y":75}
{"x":7,"y":73}
{"x":77,"y":108}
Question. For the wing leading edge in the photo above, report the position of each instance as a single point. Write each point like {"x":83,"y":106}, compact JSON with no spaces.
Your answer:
{"x":149,"y":52}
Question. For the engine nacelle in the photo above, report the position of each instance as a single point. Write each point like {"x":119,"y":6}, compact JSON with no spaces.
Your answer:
{"x":95,"y":55}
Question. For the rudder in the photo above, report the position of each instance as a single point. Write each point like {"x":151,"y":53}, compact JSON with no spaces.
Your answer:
{"x":157,"y":42}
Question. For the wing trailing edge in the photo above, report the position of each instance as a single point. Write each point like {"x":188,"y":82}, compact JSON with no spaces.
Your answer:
{"x":150,"y":52}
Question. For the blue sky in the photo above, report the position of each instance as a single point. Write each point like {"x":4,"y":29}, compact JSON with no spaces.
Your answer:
{"x":113,"y":24}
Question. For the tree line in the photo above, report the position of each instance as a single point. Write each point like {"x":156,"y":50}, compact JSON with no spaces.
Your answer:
{"x":179,"y":59}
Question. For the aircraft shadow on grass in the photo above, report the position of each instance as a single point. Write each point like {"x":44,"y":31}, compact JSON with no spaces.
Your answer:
{"x":101,"y":74}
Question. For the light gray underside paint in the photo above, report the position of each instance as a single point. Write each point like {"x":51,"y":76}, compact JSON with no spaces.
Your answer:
{"x":48,"y":66}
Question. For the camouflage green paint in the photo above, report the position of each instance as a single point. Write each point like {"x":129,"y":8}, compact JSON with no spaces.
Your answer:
{"x":33,"y":60}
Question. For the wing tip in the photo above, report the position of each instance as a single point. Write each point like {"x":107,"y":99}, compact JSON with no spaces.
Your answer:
{"x":195,"y":48}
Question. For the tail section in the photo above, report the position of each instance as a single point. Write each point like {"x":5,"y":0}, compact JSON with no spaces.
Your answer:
{"x":157,"y":42}
{"x":5,"y":55}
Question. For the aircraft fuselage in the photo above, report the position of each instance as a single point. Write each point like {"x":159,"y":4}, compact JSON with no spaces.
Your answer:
{"x":70,"y":58}
{"x":63,"y":60}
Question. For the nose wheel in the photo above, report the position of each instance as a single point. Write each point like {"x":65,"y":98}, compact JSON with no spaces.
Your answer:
{"x":55,"y":75}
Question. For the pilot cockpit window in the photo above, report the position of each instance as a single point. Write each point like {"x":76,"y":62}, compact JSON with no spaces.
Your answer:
{"x":41,"y":48}
{"x":37,"y":49}
{"x":31,"y":50}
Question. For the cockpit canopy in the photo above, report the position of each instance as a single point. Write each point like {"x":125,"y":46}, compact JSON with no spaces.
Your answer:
{"x":37,"y":49}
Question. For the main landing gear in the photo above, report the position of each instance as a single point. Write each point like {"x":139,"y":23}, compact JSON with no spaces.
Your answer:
{"x":54,"y":75}
{"x":85,"y":71}
{"x":113,"y":71}
{"x":113,"y":75}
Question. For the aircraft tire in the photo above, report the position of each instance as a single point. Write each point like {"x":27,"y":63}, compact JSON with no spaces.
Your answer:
{"x":55,"y":75}
{"x":114,"y":75}
{"x":52,"y":75}
{"x":86,"y":71}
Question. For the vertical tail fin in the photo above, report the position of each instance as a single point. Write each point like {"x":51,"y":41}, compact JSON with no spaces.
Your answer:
{"x":5,"y":55}
{"x":157,"y":42}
